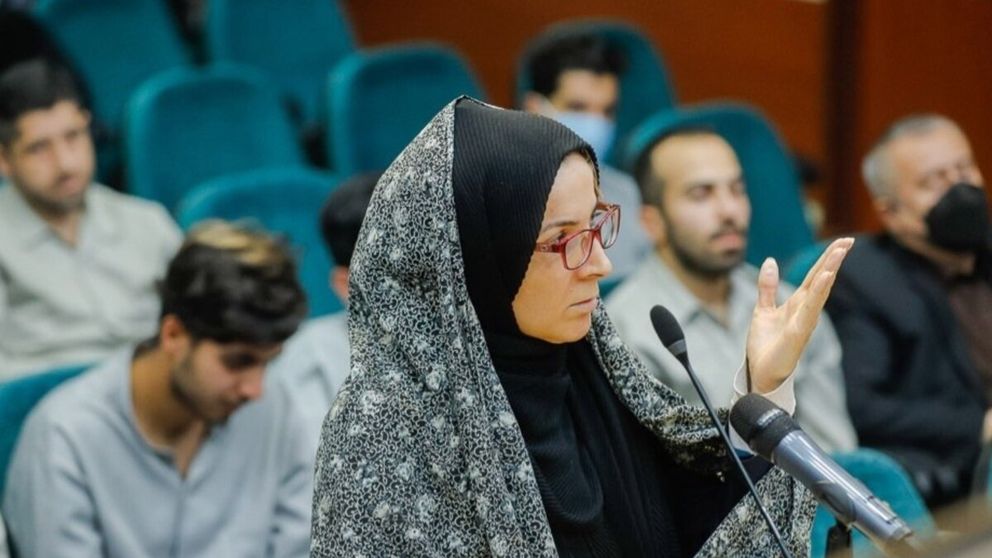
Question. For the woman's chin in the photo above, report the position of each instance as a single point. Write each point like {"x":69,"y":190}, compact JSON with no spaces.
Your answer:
{"x":566,"y":331}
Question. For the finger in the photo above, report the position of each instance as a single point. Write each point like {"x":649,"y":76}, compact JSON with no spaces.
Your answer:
{"x":836,"y":257}
{"x":767,"y":283}
{"x":841,"y":244}
{"x":812,"y":305}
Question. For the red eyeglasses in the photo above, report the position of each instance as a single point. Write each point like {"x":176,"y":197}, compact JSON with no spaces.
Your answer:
{"x":576,"y":248}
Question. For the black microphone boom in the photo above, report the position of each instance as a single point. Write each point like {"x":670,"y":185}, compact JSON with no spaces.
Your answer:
{"x":670,"y":334}
{"x":774,"y":435}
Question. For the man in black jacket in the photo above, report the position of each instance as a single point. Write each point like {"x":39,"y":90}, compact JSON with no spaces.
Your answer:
{"x":913,"y":308}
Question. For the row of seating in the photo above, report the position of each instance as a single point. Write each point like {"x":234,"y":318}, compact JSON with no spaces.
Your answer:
{"x":881,"y":474}
{"x":190,"y":125}
{"x":173,"y":148}
{"x":172,"y":124}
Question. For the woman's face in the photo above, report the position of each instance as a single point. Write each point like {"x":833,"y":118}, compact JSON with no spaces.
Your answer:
{"x":555,"y":304}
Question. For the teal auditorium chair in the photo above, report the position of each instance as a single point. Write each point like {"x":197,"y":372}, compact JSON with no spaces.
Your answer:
{"x":887,"y":480}
{"x":116,"y":45}
{"x":798,"y":266}
{"x":295,"y":43}
{"x":645,"y":86}
{"x":285,"y":201}
{"x":379,"y":99}
{"x":187,"y":126}
{"x":17,"y":398}
{"x":778,"y":227}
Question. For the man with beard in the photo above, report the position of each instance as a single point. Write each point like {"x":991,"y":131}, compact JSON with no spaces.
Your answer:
{"x":697,"y":212}
{"x":913,"y":308}
{"x":78,"y":261}
{"x":169,"y":448}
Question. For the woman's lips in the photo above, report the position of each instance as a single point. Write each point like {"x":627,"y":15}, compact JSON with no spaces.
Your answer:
{"x":587,"y":305}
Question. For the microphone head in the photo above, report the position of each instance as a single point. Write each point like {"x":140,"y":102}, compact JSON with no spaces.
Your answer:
{"x":761,"y":423}
{"x":666,"y":326}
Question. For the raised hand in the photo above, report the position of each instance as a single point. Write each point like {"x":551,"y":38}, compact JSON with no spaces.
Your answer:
{"x":779,"y":333}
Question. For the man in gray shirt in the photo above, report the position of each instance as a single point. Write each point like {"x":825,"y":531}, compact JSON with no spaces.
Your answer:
{"x":170,"y":449}
{"x":576,"y":81}
{"x":78,"y":261}
{"x":697,"y":212}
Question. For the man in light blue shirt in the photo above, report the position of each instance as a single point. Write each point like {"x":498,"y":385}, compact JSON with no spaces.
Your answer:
{"x":316,"y":361}
{"x":698,"y":212}
{"x":170,"y":448}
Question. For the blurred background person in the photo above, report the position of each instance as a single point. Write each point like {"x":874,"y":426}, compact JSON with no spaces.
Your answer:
{"x":697,"y":212}
{"x":78,"y":261}
{"x":170,"y":446}
{"x":913,"y":308}
{"x":576,"y":81}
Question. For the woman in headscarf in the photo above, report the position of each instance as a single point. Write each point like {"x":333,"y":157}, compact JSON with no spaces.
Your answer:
{"x":491,"y":408}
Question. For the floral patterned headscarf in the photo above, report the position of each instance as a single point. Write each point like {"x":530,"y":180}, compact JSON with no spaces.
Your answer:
{"x":420,"y":454}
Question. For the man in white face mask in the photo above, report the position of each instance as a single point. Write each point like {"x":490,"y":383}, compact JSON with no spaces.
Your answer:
{"x":576,"y":81}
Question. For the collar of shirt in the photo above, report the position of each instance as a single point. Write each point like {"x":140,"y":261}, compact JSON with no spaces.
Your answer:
{"x":28,"y":229}
{"x":686,"y":308}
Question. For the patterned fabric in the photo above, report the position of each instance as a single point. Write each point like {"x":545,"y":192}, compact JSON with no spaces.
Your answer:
{"x":420,"y":455}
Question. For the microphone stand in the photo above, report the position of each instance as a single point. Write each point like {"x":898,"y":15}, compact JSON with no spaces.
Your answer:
{"x":839,"y":541}
{"x":670,"y":334}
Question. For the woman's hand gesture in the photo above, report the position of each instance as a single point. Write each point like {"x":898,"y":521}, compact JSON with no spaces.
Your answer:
{"x":779,"y":333}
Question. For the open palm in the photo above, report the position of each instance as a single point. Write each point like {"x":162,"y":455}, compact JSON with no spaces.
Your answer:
{"x":779,"y":333}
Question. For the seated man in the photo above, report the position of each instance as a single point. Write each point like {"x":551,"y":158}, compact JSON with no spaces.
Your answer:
{"x":316,"y":361}
{"x":913,"y":308}
{"x":78,"y":261}
{"x":169,"y":448}
{"x":576,"y":81}
{"x":697,"y":212}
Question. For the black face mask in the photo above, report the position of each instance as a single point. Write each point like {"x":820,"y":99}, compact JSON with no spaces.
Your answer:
{"x":960,"y":220}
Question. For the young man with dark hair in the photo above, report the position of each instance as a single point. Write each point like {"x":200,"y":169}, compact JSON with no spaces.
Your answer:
{"x":576,"y":80}
{"x":697,"y":212}
{"x":169,"y":448}
{"x":78,"y":261}
{"x":317,"y":360}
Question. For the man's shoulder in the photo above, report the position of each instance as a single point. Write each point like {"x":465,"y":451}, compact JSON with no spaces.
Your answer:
{"x":872,"y":265}
{"x":321,"y":344}
{"x":126,"y":203}
{"x":633,"y":288}
{"x":81,"y":403}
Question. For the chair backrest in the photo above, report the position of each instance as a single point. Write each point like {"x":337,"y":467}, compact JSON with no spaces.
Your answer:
{"x":187,"y":126}
{"x":295,"y":43}
{"x":285,"y":201}
{"x":645,"y":86}
{"x":17,"y":398}
{"x":798,"y":266}
{"x":778,"y":225}
{"x":378,"y":100}
{"x":887,"y":480}
{"x":116,"y":45}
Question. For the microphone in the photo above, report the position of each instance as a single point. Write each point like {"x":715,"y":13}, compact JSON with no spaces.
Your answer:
{"x":774,"y":435}
{"x":670,"y":334}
